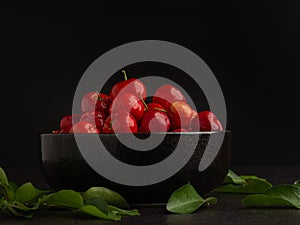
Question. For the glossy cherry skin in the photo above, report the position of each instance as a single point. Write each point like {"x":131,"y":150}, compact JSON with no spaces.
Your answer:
{"x":156,"y":106}
{"x":154,"y":121}
{"x":96,"y":118}
{"x":69,"y":120}
{"x":63,"y":130}
{"x":194,"y":113}
{"x":56,"y":132}
{"x":84,"y":127}
{"x":129,"y":103}
{"x":121,"y":122}
{"x":94,"y":101}
{"x":180,"y":114}
{"x":206,"y":121}
{"x":132,"y":86}
{"x":168,"y":94}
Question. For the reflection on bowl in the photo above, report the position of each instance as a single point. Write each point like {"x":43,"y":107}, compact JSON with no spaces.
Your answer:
{"x":65,"y":168}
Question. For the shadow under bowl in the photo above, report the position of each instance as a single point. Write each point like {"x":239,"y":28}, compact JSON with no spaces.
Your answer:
{"x":65,"y":167}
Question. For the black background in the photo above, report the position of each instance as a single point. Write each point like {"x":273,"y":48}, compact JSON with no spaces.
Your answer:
{"x":253,"y":50}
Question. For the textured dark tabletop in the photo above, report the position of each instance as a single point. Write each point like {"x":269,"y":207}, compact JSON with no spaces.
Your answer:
{"x":228,"y":210}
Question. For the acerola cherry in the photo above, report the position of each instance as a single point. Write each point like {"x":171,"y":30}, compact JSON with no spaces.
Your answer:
{"x":180,"y":114}
{"x":206,"y":121}
{"x":96,"y":118}
{"x":94,"y":101}
{"x":129,"y":103}
{"x":154,"y":121}
{"x":131,"y":86}
{"x":121,"y":122}
{"x":166,"y":95}
{"x":66,"y":121}
{"x":84,"y":127}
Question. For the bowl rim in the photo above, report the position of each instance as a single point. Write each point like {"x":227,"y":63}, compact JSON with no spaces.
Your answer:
{"x":139,"y":133}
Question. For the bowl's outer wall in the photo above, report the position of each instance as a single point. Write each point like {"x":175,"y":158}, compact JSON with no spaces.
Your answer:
{"x":64,"y":167}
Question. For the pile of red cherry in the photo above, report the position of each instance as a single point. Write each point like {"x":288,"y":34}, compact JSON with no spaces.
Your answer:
{"x":124,"y":110}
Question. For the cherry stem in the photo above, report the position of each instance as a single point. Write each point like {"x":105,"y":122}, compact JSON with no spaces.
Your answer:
{"x":99,"y":98}
{"x":125,"y":75}
{"x":110,"y":125}
{"x":145,"y":104}
{"x":162,"y":110}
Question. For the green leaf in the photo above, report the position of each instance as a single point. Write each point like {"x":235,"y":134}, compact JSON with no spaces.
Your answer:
{"x":3,"y":177}
{"x":261,"y":201}
{"x":13,"y":185}
{"x":18,"y":209}
{"x":99,"y":203}
{"x":287,"y":192}
{"x":249,"y":177}
{"x":252,"y":186}
{"x":27,"y":193}
{"x":18,"y":213}
{"x":233,"y":178}
{"x":187,"y":200}
{"x":65,"y":199}
{"x":116,"y":210}
{"x":277,"y":196}
{"x":111,"y":197}
{"x":94,"y":211}
{"x":297,"y":183}
{"x":7,"y":191}
{"x":20,"y":206}
{"x":104,"y":211}
{"x":45,"y":199}
{"x":210,"y":201}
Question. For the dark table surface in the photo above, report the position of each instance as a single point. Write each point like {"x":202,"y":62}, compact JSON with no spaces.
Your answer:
{"x":228,"y":210}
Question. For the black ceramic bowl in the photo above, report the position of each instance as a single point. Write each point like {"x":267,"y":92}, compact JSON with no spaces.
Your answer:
{"x":65,"y":168}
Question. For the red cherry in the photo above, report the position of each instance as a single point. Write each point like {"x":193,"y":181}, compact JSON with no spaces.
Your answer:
{"x":65,"y":130}
{"x":168,"y":94}
{"x":181,"y":130}
{"x":194,"y":113}
{"x":154,"y":121}
{"x":155,"y":106}
{"x":180,"y":114}
{"x":55,"y":131}
{"x":132,"y":86}
{"x":65,"y":121}
{"x":94,"y":101}
{"x":84,"y":127}
{"x":69,"y":120}
{"x":129,"y":103}
{"x":96,"y":118}
{"x":207,"y":121}
{"x":121,"y":122}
